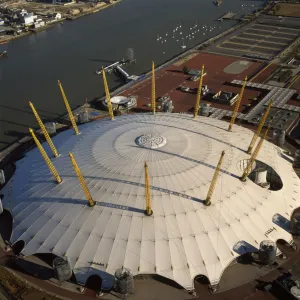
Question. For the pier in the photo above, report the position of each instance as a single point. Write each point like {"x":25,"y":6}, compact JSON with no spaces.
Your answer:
{"x":227,"y":16}
{"x":116,"y":67}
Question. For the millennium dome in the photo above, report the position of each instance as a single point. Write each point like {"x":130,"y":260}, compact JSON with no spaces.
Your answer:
{"x":183,"y":238}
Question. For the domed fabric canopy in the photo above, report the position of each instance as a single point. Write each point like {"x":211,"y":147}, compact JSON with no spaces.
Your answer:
{"x":183,"y":238}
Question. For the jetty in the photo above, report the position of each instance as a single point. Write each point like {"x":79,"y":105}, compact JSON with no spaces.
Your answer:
{"x":227,"y":16}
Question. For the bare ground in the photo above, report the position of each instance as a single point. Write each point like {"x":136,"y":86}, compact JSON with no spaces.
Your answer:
{"x":286,"y":9}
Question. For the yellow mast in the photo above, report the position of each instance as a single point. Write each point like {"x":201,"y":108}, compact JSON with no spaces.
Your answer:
{"x":153,"y":96}
{"x":148,"y":210}
{"x":214,"y":180}
{"x":82,"y":181}
{"x":68,"y":108}
{"x":237,"y":106}
{"x":44,"y":130}
{"x":109,"y":105}
{"x":46,"y":158}
{"x":197,"y":104}
{"x":248,"y":168}
{"x":259,"y":128}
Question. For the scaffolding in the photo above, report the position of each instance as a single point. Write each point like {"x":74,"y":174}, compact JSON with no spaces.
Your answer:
{"x":44,"y":130}
{"x":46,"y":157}
{"x":153,"y":94}
{"x":207,"y":202}
{"x":82,"y":181}
{"x":249,"y":166}
{"x":259,"y":128}
{"x":71,"y":117}
{"x":107,"y":94}
{"x":197,"y":104}
{"x":237,"y":106}
{"x":148,"y":210}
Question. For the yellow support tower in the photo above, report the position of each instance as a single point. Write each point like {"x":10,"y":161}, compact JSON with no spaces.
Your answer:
{"x":259,"y":128}
{"x":153,"y":96}
{"x":197,"y":104}
{"x":237,"y":106}
{"x":109,"y":105}
{"x":68,"y":108}
{"x":148,"y":211}
{"x":46,"y":158}
{"x":44,"y":130}
{"x":214,"y":180}
{"x":82,"y":181}
{"x":248,"y":168}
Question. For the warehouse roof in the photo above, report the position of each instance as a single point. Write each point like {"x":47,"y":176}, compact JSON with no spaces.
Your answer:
{"x":183,"y":238}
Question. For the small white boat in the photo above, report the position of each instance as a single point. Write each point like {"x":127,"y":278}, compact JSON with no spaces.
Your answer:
{"x":183,"y":46}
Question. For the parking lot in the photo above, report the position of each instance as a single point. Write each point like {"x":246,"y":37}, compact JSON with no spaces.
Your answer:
{"x":220,"y":69}
{"x":265,"y":38}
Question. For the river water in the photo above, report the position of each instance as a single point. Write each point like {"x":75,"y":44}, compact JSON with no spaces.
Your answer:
{"x":73,"y":51}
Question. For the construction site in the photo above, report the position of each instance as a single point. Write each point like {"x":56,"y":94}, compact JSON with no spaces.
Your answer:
{"x":182,"y":184}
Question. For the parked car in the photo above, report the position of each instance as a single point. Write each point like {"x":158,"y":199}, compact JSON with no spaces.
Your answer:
{"x":194,"y":78}
{"x":185,"y":88}
{"x":162,"y":99}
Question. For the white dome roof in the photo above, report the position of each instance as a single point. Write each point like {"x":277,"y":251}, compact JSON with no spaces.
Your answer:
{"x":183,"y":238}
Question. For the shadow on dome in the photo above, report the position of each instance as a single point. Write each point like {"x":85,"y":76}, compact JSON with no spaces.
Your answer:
{"x":85,"y":202}
{"x":198,"y":133}
{"x":201,"y":279}
{"x":263,"y":175}
{"x":160,"y":279}
{"x":192,"y":160}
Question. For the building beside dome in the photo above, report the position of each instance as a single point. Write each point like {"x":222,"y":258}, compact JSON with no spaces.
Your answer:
{"x":183,"y":238}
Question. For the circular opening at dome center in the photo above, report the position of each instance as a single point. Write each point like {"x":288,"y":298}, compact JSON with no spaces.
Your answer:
{"x":152,"y":141}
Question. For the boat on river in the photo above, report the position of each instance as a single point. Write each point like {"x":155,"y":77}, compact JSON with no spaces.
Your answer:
{"x":218,"y":2}
{"x":4,"y":53}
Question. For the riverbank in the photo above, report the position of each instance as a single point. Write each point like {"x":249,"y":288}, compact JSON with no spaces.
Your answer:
{"x":68,"y":12}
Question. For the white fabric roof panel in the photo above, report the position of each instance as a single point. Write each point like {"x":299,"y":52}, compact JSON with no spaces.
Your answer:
{"x":183,"y":238}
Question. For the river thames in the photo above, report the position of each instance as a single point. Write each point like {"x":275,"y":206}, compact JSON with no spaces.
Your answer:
{"x":72,"y":52}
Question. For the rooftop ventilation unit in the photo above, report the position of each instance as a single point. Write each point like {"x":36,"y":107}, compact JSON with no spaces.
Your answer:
{"x":83,"y":117}
{"x":295,"y":225}
{"x":167,"y":106}
{"x":2,"y":177}
{"x":296,"y":163}
{"x":267,"y":252}
{"x":279,"y":137}
{"x":204,"y":110}
{"x":124,"y":281}
{"x":1,"y":207}
{"x":50,"y":127}
{"x":62,"y":268}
